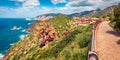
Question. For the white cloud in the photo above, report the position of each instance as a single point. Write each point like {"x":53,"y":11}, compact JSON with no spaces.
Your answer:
{"x":107,"y":3}
{"x":74,"y":6}
{"x":28,"y":3}
{"x":92,"y":3}
{"x":6,"y":12}
{"x":70,"y":10}
{"x":18,"y":0}
{"x":73,"y":3}
{"x":21,"y":0}
{"x":84,"y":3}
{"x":58,"y":1}
{"x":29,"y":9}
{"x":31,"y":3}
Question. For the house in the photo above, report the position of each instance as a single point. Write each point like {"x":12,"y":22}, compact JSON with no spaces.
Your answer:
{"x":84,"y":20}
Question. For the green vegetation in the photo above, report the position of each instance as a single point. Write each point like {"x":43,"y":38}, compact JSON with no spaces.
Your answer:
{"x":84,"y":41}
{"x":106,"y":16}
{"x":73,"y":46}
{"x":111,"y":16}
{"x":116,"y":21}
{"x":60,"y":23}
{"x":55,"y":50}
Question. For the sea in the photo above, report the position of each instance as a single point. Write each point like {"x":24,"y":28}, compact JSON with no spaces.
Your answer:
{"x":9,"y":36}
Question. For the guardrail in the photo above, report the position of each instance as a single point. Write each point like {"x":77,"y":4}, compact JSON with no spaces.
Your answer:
{"x":92,"y":55}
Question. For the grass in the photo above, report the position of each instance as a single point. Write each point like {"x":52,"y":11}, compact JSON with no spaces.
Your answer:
{"x":74,"y":46}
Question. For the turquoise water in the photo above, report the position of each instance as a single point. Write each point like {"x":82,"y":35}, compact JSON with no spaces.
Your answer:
{"x":8,"y":36}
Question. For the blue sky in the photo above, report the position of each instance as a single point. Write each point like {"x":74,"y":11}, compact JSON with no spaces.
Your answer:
{"x":32,"y":8}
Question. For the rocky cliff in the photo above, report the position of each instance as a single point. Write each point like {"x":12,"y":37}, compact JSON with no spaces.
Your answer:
{"x":55,"y":39}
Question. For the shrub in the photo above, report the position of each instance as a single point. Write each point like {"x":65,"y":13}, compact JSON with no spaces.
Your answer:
{"x":67,"y":55}
{"x":84,"y":41}
{"x":54,"y":51}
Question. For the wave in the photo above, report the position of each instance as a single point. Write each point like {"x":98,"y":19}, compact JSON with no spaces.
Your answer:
{"x":1,"y":56}
{"x":22,"y":36}
{"x":12,"y":44}
{"x":27,"y":32}
{"x":17,"y":28}
{"x":23,"y":30}
{"x":12,"y":29}
{"x":29,"y":23}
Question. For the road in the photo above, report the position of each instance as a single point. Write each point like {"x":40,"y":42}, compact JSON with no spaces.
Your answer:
{"x":107,"y":42}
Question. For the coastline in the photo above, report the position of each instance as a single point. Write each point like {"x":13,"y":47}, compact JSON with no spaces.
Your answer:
{"x":3,"y":58}
{"x":13,"y":36}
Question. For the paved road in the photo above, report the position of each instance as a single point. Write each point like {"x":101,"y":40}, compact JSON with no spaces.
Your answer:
{"x":107,"y":42}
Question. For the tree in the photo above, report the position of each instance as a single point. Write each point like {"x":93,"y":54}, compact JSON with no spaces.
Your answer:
{"x":117,"y":17}
{"x":110,"y":16}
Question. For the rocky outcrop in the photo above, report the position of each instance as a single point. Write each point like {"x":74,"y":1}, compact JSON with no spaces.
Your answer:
{"x":43,"y":17}
{"x":47,"y":33}
{"x":29,"y":29}
{"x":66,"y":32}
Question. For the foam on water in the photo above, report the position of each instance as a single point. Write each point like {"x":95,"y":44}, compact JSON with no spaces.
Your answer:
{"x":17,"y":28}
{"x":22,"y":36}
{"x":23,"y":30}
{"x":10,"y":35}
{"x":29,"y":23}
{"x":12,"y":29}
{"x":12,"y":44}
{"x":27,"y":32}
{"x":1,"y":56}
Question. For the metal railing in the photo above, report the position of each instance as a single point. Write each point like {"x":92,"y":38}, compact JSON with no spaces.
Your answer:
{"x":92,"y":55}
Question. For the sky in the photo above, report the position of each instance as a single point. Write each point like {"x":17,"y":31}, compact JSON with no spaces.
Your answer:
{"x":33,"y":8}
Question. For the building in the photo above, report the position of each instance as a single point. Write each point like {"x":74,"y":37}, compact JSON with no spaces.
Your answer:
{"x":84,"y":20}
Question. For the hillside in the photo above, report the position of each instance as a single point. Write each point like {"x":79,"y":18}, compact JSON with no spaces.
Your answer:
{"x":80,"y":14}
{"x":104,"y":12}
{"x":46,"y":16}
{"x":92,"y":13}
{"x":72,"y":42}
{"x":85,"y":13}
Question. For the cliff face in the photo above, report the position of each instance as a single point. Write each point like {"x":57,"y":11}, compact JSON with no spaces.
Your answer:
{"x":56,"y":39}
{"x":46,"y":16}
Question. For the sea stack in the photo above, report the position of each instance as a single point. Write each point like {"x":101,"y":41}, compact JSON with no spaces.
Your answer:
{"x":14,"y":27}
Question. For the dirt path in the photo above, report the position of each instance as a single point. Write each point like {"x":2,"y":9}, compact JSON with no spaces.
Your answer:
{"x":107,"y":42}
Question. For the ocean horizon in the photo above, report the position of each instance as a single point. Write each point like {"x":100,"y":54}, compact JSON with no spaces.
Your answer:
{"x":9,"y":36}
